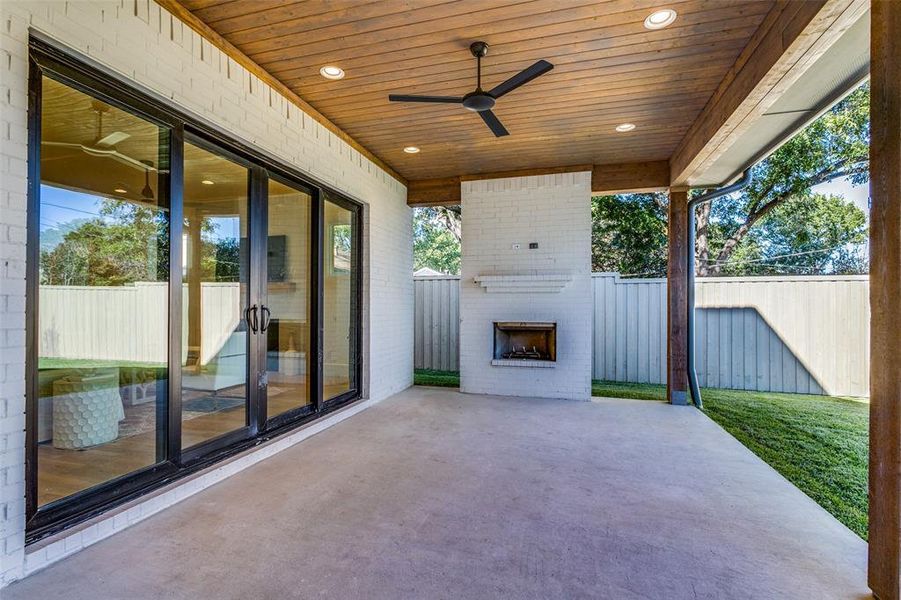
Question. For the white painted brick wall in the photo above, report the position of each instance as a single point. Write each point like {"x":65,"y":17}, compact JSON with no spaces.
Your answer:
{"x":141,"y":41}
{"x":555,"y":211}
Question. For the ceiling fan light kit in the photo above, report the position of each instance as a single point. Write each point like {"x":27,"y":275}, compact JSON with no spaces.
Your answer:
{"x":478,"y":100}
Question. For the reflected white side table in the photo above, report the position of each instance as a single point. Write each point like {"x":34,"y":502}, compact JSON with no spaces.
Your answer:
{"x":86,"y":409}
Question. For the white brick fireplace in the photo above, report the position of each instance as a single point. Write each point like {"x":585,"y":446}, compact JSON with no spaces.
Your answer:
{"x":527,"y":259}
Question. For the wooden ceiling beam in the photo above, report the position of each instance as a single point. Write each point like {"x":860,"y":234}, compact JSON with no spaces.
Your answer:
{"x":434,"y":192}
{"x":207,"y":32}
{"x":605,"y":179}
{"x":630,"y":177}
{"x":792,"y":36}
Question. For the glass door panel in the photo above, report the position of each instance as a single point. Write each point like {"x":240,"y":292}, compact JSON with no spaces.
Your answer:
{"x":288,"y":299}
{"x":338,"y":302}
{"x":103,"y":285}
{"x":215,"y":336}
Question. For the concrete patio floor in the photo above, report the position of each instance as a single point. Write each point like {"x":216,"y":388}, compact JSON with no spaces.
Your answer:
{"x":436,"y":494}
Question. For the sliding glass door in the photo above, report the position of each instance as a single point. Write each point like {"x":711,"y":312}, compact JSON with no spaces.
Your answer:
{"x":186,"y":295}
{"x":216,"y":296}
{"x":340,"y":298}
{"x":286,"y":304}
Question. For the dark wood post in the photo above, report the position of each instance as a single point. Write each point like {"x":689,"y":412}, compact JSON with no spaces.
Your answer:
{"x":677,"y":299}
{"x":885,"y":300}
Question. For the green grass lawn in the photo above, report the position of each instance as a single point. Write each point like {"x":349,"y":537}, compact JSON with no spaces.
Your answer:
{"x":437,"y":378}
{"x":819,"y":443}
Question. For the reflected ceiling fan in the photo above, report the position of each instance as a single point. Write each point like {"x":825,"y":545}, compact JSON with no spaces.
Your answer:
{"x":479,"y":100}
{"x":104,"y":146}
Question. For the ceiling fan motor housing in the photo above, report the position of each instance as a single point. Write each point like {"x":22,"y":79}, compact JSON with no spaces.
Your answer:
{"x":478,"y":101}
{"x":478,"y":49}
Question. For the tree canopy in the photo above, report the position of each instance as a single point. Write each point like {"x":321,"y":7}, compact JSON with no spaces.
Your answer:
{"x":436,"y":239}
{"x":127,"y":243}
{"x":628,"y":234}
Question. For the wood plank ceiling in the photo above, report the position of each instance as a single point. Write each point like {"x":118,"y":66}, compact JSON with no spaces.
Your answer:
{"x":609,"y":69}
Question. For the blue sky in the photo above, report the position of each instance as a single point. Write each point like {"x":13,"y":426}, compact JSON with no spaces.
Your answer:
{"x":858,"y":194}
{"x":59,"y":206}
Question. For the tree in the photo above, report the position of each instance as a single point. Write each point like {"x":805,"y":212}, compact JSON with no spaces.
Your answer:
{"x":437,"y":238}
{"x":807,"y":234}
{"x":776,"y":225}
{"x":834,"y":146}
{"x":629,"y":234}
{"x":128,"y":242}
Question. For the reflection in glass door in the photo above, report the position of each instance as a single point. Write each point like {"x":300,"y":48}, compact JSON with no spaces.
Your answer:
{"x":286,"y":315}
{"x":102,"y":289}
{"x":215,"y":337}
{"x":339,"y":301}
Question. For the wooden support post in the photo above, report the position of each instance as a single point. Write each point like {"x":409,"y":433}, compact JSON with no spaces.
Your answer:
{"x":677,"y":300}
{"x":885,"y":300}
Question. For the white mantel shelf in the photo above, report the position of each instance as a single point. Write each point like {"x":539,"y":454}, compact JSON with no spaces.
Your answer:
{"x":524,"y":283}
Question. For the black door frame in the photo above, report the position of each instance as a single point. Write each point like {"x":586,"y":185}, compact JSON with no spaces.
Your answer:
{"x":73,"y":69}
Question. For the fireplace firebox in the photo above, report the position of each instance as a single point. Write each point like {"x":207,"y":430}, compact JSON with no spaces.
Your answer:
{"x":525,"y":341}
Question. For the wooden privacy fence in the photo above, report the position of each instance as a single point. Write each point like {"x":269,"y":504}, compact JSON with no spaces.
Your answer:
{"x":792,"y":333}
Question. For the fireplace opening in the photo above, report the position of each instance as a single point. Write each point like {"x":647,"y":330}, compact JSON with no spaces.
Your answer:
{"x":515,"y":340}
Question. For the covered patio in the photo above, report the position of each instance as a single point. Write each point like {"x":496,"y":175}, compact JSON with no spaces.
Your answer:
{"x":309,"y":130}
{"x":437,"y":494}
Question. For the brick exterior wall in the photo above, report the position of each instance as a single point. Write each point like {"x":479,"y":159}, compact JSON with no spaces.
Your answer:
{"x":555,"y":212}
{"x":144,"y":43}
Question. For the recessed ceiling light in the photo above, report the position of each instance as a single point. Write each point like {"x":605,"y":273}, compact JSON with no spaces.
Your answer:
{"x":207,"y":182}
{"x":120,"y":191}
{"x":411,"y":149}
{"x":660,"y":18}
{"x":625,"y":127}
{"x":332,"y":72}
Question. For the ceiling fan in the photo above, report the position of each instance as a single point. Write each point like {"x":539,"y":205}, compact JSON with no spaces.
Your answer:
{"x":479,"y":100}
{"x":104,"y":146}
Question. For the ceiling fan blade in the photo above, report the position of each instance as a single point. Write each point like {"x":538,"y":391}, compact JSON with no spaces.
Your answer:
{"x":119,"y":157}
{"x":521,"y":78}
{"x":493,"y":123}
{"x":113,"y":138}
{"x":132,"y":162}
{"x":441,"y":99}
{"x":60,"y":144}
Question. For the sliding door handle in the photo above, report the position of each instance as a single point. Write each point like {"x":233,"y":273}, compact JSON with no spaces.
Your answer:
{"x":252,"y":323}
{"x":264,"y":317}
